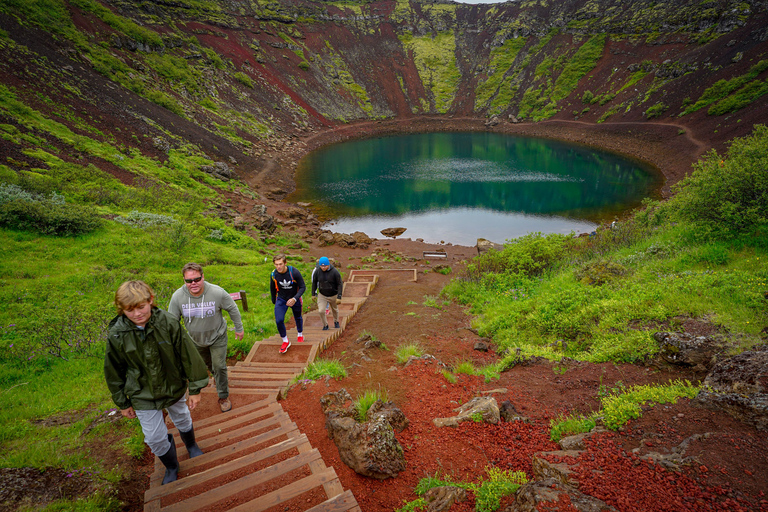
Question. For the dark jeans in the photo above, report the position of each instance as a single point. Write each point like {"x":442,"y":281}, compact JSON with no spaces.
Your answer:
{"x":281,"y":308}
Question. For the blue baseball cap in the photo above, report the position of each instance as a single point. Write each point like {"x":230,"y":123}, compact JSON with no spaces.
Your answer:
{"x":324,"y":261}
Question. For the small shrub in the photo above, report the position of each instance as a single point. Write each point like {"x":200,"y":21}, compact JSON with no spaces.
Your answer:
{"x":449,"y":376}
{"x":244,"y":79}
{"x":332,"y":368}
{"x":500,"y":483}
{"x":565,"y":426}
{"x":656,"y":110}
{"x":465,"y":367}
{"x":600,"y":272}
{"x":405,"y":352}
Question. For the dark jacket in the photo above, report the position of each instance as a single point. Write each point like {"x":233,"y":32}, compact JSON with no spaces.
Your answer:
{"x":287,"y":285}
{"x":328,"y":282}
{"x":150,"y":369}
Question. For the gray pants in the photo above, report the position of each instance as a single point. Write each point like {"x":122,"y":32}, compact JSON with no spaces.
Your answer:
{"x":215,"y":357}
{"x":322,"y":300}
{"x":155,"y":431}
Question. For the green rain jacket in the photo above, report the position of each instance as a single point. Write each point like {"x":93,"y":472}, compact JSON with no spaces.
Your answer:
{"x":150,"y":369}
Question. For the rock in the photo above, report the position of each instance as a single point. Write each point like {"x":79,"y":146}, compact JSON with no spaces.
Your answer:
{"x":493,"y":121}
{"x":560,"y":471}
{"x":738,"y":386}
{"x":481,"y":346}
{"x":389,"y":412}
{"x":161,"y":144}
{"x":549,"y":490}
{"x":362,"y":240}
{"x":508,"y":412}
{"x":484,"y":246}
{"x":369,"y":448}
{"x":685,"y":349}
{"x":326,"y":238}
{"x":576,"y":442}
{"x":293,"y":212}
{"x":339,"y":403}
{"x":483,"y":408}
{"x":344,"y":240}
{"x":443,"y":498}
{"x":218,"y":170}
{"x":393,"y":232}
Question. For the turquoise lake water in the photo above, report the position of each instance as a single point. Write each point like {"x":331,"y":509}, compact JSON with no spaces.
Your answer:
{"x":459,"y":186}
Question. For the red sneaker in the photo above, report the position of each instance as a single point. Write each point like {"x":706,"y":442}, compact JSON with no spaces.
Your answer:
{"x":284,"y":346}
{"x":300,"y":338}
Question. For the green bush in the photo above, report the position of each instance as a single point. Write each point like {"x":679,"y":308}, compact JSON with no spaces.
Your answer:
{"x":728,"y":196}
{"x":529,"y":255}
{"x":48,"y":217}
{"x":366,"y":400}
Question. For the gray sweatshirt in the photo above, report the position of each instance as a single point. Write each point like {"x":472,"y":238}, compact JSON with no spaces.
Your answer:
{"x":202,"y":315}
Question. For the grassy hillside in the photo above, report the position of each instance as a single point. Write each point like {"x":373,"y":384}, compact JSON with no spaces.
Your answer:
{"x":702,"y":255}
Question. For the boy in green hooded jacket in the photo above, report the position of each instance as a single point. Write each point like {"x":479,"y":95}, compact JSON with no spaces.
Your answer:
{"x":149,"y":363}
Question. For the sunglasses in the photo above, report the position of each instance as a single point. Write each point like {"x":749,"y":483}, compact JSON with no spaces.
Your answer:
{"x":195,"y":280}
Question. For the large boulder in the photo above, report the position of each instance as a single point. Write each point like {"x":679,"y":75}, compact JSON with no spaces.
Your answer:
{"x":685,"y":349}
{"x":370,"y":448}
{"x":738,"y":386}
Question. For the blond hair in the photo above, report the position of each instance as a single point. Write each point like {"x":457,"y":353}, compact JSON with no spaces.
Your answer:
{"x":133,"y":294}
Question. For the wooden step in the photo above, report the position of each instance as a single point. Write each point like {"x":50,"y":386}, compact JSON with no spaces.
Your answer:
{"x":186,"y":482}
{"x":257,"y":478}
{"x":344,"y":502}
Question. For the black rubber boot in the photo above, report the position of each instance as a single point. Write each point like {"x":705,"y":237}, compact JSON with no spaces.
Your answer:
{"x":171,"y":463}
{"x":189,"y":442}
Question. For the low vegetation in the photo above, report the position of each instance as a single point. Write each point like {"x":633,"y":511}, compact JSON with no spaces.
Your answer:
{"x":698,"y":255}
{"x":488,"y":491}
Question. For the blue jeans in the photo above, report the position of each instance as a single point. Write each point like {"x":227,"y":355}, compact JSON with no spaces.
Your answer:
{"x":281,"y":308}
{"x":155,"y":431}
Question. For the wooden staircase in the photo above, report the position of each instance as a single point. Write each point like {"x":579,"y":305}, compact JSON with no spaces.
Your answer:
{"x":254,"y":456}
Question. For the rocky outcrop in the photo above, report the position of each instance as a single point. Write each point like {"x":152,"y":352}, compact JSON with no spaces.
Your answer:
{"x":369,"y":448}
{"x":218,"y":170}
{"x":685,"y":349}
{"x":738,"y":386}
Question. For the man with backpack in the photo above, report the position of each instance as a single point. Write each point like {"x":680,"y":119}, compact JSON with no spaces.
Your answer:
{"x":327,"y":285}
{"x":286,"y":286}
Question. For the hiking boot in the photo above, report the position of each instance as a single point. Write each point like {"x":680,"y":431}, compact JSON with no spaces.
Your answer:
{"x":336,"y":325}
{"x":284,"y":346}
{"x":225,"y":404}
{"x":189,"y":442}
{"x":300,"y":338}
{"x":171,"y":463}
{"x":325,"y":327}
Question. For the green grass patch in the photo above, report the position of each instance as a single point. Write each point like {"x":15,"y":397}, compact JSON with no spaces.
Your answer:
{"x":408,"y":350}
{"x":620,"y":408}
{"x":322,"y":368}
{"x":364,"y":402}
